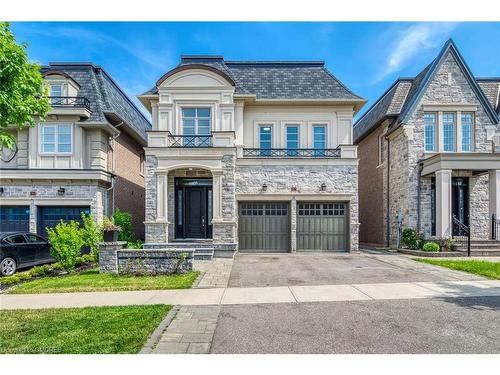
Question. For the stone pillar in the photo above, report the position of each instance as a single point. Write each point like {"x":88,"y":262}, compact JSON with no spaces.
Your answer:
{"x":293,"y":225}
{"x":217,"y":194}
{"x":108,"y":260}
{"x":162,"y":197}
{"x":494,"y":193}
{"x":443,"y":204}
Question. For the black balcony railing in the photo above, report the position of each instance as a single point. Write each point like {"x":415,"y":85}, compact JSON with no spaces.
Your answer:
{"x":69,"y":102}
{"x":461,"y":234}
{"x":291,"y":153}
{"x":189,"y":140}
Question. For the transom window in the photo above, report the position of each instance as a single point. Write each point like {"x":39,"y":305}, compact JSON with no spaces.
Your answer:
{"x":319,"y":139}
{"x":265,"y":139}
{"x":56,"y":138}
{"x":430,"y":131}
{"x":321,"y":209}
{"x":264,"y":209}
{"x":292,"y":139}
{"x":467,"y":127}
{"x":448,"y":131}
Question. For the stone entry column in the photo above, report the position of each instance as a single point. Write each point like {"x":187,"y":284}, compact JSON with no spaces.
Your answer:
{"x":494,"y":193}
{"x":443,"y":204}
{"x":217,"y":194}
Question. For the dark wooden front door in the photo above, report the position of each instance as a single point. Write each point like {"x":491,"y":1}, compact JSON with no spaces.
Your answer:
{"x":460,"y":201}
{"x":196,"y":213}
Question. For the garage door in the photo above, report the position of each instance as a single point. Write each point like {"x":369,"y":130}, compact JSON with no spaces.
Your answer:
{"x":50,"y":216}
{"x":322,"y":227}
{"x":14,"y":219}
{"x":264,"y":227}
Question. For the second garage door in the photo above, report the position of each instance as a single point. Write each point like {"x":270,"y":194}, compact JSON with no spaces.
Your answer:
{"x":49,"y":217}
{"x":264,"y":227}
{"x":322,"y":227}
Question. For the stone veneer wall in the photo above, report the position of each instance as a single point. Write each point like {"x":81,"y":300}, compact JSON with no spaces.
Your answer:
{"x":96,"y":194}
{"x":407,"y":149}
{"x":307,"y":180}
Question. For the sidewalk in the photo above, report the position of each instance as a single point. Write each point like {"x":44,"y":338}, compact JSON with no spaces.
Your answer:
{"x":232,"y":296}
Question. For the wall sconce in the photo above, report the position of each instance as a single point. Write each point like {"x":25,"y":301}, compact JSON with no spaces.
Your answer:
{"x":323,"y":187}
{"x":264,"y":187}
{"x":1,"y":190}
{"x":61,"y":191}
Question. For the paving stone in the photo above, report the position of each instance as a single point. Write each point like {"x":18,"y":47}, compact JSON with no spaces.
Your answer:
{"x":171,"y":348}
{"x":197,"y":337}
{"x":199,"y":348}
{"x":171,"y":337}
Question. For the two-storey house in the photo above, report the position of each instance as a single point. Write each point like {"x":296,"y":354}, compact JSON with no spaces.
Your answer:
{"x":87,"y":156}
{"x":251,"y":156}
{"x":429,"y":155}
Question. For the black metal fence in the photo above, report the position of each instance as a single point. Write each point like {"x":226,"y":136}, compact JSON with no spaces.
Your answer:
{"x":495,"y":228}
{"x":287,"y":153}
{"x":69,"y":101}
{"x":190,"y":140}
{"x":461,"y":235}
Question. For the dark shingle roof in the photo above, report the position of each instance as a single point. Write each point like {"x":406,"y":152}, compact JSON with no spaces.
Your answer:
{"x":389,"y":103}
{"x":276,"y":79}
{"x":105,"y":96}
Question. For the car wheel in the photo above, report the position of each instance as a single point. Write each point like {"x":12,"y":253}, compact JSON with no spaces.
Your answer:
{"x":8,"y":267}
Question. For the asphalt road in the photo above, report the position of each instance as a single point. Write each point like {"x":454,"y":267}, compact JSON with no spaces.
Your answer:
{"x":455,"y":325}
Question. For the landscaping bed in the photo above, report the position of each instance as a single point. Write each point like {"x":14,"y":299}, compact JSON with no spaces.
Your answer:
{"x":484,"y":268}
{"x":430,"y":254}
{"x":89,"y":330}
{"x":94,"y":281}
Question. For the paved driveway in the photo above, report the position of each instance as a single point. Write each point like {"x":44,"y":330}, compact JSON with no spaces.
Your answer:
{"x":259,"y":270}
{"x":455,"y":325}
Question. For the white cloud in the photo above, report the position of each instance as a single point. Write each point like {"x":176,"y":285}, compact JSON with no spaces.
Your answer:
{"x":414,"y":40}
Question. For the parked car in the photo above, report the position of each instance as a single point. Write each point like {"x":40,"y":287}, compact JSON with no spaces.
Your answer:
{"x":22,"y":249}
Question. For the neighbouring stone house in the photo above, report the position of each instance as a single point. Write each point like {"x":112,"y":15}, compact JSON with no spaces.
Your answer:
{"x":251,"y":156}
{"x":429,"y":154}
{"x":87,"y":156}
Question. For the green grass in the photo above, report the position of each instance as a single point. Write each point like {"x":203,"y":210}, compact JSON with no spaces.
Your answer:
{"x":484,"y":268}
{"x":93,"y":281}
{"x":96,"y":330}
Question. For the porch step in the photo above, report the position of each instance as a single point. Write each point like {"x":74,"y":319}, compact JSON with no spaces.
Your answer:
{"x":481,"y":248}
{"x":202,"y":251}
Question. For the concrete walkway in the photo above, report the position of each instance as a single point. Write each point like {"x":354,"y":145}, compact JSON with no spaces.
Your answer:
{"x":258,"y":295}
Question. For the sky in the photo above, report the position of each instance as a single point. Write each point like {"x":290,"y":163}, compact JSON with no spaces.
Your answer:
{"x":365,"y":56}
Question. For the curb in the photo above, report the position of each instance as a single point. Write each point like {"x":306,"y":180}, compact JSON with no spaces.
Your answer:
{"x":156,"y":335}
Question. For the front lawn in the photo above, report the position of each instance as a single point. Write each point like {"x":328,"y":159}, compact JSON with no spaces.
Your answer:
{"x":93,"y":281}
{"x":484,"y":268}
{"x":88,"y":330}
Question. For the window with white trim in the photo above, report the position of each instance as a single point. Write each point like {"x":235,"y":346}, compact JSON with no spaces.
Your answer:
{"x":319,"y":140}
{"x":265,"y":139}
{"x":380,"y":149}
{"x":467,"y":131}
{"x":292,"y":139}
{"x":430,"y":122}
{"x":56,"y":138}
{"x":449,"y":131}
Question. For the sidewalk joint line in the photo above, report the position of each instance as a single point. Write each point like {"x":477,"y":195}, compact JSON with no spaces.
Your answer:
{"x":359,"y":290}
{"x":293,"y":294}
{"x":222,"y":296}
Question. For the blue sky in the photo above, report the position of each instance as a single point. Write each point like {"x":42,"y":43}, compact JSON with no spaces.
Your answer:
{"x":366,"y":56}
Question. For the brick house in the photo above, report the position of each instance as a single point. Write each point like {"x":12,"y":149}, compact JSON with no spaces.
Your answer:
{"x":251,"y":156}
{"x":429,"y":152}
{"x":87,"y":156}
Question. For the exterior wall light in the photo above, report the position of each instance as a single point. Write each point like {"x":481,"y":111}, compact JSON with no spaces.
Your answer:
{"x":264,"y":187}
{"x":61,"y":191}
{"x":323,"y":187}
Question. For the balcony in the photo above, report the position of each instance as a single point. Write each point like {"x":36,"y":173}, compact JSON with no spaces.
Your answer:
{"x":189,"y":140}
{"x":291,"y":153}
{"x":70,"y":105}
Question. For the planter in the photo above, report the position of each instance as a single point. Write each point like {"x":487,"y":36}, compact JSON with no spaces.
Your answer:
{"x":110,"y":236}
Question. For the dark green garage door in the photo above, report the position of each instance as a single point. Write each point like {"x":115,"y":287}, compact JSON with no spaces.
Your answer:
{"x":264,"y":227}
{"x":322,"y":227}
{"x":49,"y":217}
{"x":14,"y":219}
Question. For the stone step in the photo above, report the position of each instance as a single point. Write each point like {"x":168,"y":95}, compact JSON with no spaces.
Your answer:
{"x":202,"y":251}
{"x":480,"y":253}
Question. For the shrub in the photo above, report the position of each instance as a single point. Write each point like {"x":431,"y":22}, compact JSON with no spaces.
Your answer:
{"x":124,"y":221}
{"x":135,"y":244}
{"x":430,"y":246}
{"x":66,"y":241}
{"x":91,"y":234}
{"x":40,"y":270}
{"x":14,"y":279}
{"x":412,"y":239}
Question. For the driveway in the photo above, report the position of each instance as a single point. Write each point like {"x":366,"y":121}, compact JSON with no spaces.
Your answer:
{"x":450,"y":325}
{"x":260,"y":270}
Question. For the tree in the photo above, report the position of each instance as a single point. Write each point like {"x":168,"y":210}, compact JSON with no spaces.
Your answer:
{"x":22,"y":97}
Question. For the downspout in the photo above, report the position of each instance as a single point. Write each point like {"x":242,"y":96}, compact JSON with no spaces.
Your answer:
{"x":388,"y":197}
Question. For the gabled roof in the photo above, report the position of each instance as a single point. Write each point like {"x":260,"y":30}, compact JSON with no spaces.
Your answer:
{"x":287,"y":80}
{"x":108,"y":102}
{"x":382,"y":108}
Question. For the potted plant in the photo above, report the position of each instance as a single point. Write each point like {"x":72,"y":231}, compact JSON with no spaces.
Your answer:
{"x":110,"y":230}
{"x":447,"y":244}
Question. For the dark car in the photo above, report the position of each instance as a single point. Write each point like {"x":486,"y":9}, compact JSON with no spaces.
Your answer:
{"x":22,"y":249}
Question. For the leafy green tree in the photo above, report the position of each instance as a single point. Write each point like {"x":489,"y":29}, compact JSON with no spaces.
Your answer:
{"x":124,"y":221}
{"x":66,"y":243}
{"x":23,"y":100}
{"x":91,"y":234}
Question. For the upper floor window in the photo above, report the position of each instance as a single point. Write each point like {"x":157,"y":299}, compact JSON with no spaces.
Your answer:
{"x":56,"y":138}
{"x":266,"y":139}
{"x":196,"y":121}
{"x":56,"y":90}
{"x":448,"y":131}
{"x":319,"y":139}
{"x":430,"y":131}
{"x":380,"y":149}
{"x":292,"y":139}
{"x":467,"y":128}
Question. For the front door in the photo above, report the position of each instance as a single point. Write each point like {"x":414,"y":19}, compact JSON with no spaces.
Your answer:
{"x":194,"y":208}
{"x":460,"y":201}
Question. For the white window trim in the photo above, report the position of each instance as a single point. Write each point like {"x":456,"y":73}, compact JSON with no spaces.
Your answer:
{"x":211,"y":118}
{"x":265,"y":125}
{"x":455,"y":128}
{"x":292,"y":124}
{"x":56,"y":135}
{"x":315,"y":125}
{"x":473,"y":131}
{"x":64,"y":88}
{"x":436,"y":132}
{"x":380,"y":149}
